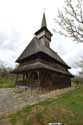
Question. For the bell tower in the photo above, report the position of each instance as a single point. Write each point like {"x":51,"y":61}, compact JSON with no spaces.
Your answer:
{"x":43,"y":33}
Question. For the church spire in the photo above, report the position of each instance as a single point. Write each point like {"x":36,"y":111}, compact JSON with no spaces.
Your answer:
{"x":43,"y":24}
{"x":43,"y":34}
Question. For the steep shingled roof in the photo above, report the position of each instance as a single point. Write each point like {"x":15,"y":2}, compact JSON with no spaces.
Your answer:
{"x":36,"y":46}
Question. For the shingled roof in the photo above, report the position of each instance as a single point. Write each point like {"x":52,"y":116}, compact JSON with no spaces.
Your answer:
{"x":39,"y":65}
{"x":35,"y":46}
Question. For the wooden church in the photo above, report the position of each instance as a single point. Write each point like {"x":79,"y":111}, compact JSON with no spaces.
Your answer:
{"x":39,"y":65}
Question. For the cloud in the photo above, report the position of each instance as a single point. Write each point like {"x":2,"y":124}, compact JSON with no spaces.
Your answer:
{"x":9,"y":47}
{"x":69,"y":51}
{"x":9,"y":41}
{"x":75,"y":71}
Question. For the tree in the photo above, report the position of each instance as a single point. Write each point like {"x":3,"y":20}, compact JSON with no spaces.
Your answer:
{"x":79,"y":78}
{"x":70,"y":21}
{"x":4,"y":71}
{"x":81,"y":66}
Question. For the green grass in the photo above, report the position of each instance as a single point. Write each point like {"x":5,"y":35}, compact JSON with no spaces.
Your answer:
{"x":39,"y":116}
{"x":7,"y":83}
{"x":67,"y":108}
{"x":29,"y":122}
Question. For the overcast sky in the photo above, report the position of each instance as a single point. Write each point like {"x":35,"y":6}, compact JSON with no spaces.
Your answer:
{"x":20,"y":19}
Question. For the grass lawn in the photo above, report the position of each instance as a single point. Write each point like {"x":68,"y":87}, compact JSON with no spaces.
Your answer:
{"x":67,"y":108}
{"x":7,"y":82}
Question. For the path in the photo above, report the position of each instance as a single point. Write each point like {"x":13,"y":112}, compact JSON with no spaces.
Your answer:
{"x":12,"y":99}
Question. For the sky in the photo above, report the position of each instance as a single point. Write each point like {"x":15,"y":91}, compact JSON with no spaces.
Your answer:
{"x":20,"y":19}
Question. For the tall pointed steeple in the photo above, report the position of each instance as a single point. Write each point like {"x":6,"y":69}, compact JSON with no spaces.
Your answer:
{"x":43,"y":33}
{"x":43,"y":24}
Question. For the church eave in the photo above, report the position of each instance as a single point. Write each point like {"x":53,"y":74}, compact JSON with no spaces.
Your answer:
{"x":38,"y":65}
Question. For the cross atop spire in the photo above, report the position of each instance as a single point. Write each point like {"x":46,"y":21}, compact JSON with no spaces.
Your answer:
{"x":44,"y":24}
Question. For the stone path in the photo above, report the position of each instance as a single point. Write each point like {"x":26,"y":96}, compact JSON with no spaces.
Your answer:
{"x":5,"y":122}
{"x":14,"y":99}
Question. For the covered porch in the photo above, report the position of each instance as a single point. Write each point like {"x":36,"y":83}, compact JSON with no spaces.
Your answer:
{"x":42,"y":76}
{"x":28,"y":78}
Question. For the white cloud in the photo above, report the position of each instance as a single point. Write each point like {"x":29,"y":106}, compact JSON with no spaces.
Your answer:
{"x":69,"y":50}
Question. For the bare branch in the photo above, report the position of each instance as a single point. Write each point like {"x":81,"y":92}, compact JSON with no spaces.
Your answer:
{"x":71,"y":22}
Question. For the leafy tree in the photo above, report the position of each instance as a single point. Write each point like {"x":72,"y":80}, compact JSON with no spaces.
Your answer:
{"x":70,"y":20}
